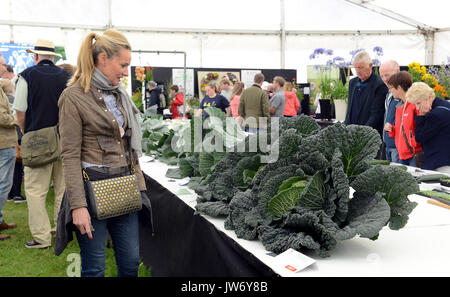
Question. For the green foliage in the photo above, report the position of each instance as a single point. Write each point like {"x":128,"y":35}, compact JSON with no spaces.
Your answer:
{"x":290,"y":182}
{"x":433,"y":177}
{"x":284,"y":214}
{"x":358,"y":145}
{"x":340,"y":90}
{"x":303,"y":124}
{"x":137,"y":99}
{"x":231,"y":174}
{"x":302,"y":200}
{"x":436,"y":194}
{"x":286,"y":198}
{"x":396,"y":184}
{"x":326,"y":85}
{"x":367,"y":214}
{"x":313,"y":197}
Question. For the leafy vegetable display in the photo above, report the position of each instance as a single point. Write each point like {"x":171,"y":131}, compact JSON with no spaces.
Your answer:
{"x":445,"y":182}
{"x":302,"y":200}
{"x":440,"y":196}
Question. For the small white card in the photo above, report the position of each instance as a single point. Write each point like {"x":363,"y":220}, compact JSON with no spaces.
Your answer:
{"x":184,"y":181}
{"x":294,"y":261}
{"x":146,"y":158}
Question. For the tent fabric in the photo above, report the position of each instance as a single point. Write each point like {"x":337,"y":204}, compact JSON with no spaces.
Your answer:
{"x":235,"y":34}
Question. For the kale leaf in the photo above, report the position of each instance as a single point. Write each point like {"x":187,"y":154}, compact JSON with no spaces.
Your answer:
{"x":396,"y":184}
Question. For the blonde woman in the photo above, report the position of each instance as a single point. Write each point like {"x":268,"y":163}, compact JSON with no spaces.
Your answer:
{"x":99,"y":127}
{"x":432,"y":126}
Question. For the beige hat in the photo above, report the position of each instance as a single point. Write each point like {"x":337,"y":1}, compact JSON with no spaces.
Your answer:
{"x":44,"y":47}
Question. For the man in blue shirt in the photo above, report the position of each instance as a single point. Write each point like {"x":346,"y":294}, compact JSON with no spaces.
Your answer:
{"x":212,"y":99}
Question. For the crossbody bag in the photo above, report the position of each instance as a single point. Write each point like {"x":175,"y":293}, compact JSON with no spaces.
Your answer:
{"x":40,"y":147}
{"x":114,"y":197}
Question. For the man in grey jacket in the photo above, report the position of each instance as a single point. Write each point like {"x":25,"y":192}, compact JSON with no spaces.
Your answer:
{"x":276,"y":103}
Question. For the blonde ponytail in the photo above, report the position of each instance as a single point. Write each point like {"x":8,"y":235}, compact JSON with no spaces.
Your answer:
{"x":110,"y":43}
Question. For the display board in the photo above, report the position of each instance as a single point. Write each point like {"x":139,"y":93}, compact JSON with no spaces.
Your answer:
{"x":164,"y":75}
{"x":248,"y":76}
{"x":16,"y":56}
{"x":205,"y":77}
{"x":178,"y":79}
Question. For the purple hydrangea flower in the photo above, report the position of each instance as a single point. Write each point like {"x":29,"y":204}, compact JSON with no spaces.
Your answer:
{"x":353,"y":53}
{"x":319,"y":51}
{"x":338,"y":62}
{"x":378,"y":50}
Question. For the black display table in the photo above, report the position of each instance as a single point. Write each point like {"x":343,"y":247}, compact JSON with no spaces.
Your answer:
{"x":187,"y":245}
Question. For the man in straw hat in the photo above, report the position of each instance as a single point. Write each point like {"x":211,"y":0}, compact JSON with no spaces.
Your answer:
{"x":36,"y":103}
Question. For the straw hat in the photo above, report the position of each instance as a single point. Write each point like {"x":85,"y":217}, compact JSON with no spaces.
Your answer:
{"x":44,"y":47}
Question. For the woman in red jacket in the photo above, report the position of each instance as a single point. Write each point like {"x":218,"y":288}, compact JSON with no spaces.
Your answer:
{"x":404,"y":129}
{"x":292,"y":105}
{"x":176,"y":102}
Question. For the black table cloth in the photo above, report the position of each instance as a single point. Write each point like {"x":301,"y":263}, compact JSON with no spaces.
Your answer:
{"x":186,"y":244}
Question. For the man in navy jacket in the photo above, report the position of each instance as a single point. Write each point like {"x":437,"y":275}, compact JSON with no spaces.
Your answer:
{"x":367,"y":94}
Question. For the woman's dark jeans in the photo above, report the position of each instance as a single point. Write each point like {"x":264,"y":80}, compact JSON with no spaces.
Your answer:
{"x":124,"y":231}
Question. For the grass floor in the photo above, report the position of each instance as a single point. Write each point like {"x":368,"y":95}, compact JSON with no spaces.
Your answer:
{"x":18,"y":261}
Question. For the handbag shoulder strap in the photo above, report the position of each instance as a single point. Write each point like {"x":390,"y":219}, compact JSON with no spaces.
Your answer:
{"x":404,"y":133}
{"x":130,"y":151}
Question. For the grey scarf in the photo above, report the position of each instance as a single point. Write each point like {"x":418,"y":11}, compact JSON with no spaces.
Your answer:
{"x":100,"y":81}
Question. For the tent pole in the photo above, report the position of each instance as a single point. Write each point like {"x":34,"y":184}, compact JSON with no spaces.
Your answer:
{"x":390,"y":14}
{"x":429,"y":47}
{"x":184,"y":67}
{"x":212,"y":31}
{"x":184,"y":86}
{"x":282,"y":36}
{"x":109,"y":14}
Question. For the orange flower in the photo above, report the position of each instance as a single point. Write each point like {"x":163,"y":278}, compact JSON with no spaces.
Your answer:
{"x":440,"y":91}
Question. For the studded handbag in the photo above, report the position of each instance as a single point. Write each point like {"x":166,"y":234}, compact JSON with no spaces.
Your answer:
{"x":115,"y":196}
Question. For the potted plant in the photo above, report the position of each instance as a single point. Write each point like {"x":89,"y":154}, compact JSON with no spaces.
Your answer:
{"x":326,"y":89}
{"x":340,"y":95}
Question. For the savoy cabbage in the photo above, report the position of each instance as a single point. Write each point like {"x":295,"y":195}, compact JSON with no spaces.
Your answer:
{"x":313,"y":215}
{"x":302,"y":200}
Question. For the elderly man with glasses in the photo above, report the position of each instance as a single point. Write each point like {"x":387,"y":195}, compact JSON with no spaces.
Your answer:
{"x":367,"y":94}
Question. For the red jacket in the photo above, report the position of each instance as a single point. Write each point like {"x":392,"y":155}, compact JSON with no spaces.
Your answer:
{"x":410,"y":126}
{"x":177,"y":101}
{"x":292,"y":105}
